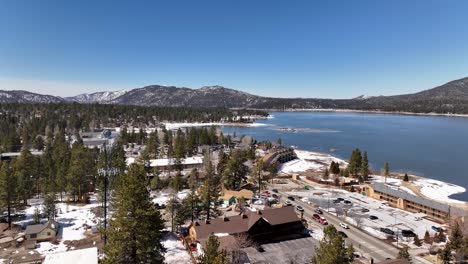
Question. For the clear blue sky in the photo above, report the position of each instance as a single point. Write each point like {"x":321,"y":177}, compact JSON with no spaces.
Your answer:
{"x":337,"y":49}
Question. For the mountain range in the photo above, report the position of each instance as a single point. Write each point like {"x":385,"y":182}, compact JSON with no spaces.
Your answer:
{"x":451,"y":97}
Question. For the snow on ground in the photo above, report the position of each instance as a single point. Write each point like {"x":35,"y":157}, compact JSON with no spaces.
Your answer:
{"x":164,"y":196}
{"x":390,"y":181}
{"x":71,"y":219}
{"x":438,"y":190}
{"x":175,"y":250}
{"x":316,"y":233}
{"x":308,"y":160}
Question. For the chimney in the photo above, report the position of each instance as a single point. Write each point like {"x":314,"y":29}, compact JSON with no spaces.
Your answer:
{"x":207,"y":221}
{"x":259,"y":212}
{"x":244,"y":216}
{"x":225,"y":219}
{"x":197,"y":223}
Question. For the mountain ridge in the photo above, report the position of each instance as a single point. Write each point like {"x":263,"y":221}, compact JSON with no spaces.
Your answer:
{"x":451,"y":97}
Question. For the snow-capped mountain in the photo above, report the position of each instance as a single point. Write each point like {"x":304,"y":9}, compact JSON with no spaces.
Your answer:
{"x":19,"y":96}
{"x":98,"y":97}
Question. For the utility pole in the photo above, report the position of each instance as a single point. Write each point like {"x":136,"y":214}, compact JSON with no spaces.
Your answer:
{"x":106,"y":172}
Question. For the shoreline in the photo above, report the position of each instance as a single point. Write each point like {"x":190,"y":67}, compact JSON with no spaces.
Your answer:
{"x":363,"y":111}
{"x":426,"y":185}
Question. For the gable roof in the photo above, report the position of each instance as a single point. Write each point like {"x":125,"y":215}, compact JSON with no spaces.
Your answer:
{"x":239,"y":224}
{"x":34,"y":229}
{"x":228,"y":194}
{"x":383,"y":188}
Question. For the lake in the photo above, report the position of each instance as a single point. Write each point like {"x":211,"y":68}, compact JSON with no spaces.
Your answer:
{"x":430,"y":146}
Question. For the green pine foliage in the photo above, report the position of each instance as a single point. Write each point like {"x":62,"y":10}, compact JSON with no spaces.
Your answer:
{"x":134,"y":235}
{"x":212,"y":253}
{"x":404,"y":254}
{"x":332,"y":250}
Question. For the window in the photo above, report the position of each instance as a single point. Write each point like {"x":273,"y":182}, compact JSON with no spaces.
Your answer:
{"x":33,"y":236}
{"x":48,"y":233}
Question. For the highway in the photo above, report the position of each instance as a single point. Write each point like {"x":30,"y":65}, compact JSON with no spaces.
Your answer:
{"x":364,"y":243}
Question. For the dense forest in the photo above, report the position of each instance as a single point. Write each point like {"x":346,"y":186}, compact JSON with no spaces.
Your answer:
{"x":27,"y":121}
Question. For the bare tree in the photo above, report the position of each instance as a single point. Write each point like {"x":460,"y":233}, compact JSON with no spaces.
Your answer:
{"x":241,"y":241}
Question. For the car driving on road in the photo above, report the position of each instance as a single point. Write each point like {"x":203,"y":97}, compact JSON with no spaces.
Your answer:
{"x":343,"y":225}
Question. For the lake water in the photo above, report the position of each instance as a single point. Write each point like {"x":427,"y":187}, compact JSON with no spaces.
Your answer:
{"x":430,"y":146}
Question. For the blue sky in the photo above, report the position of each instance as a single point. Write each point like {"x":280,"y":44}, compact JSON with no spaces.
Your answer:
{"x":336,"y":49}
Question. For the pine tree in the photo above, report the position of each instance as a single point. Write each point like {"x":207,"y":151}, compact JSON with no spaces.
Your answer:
{"x":365,"y":167}
{"x":36,"y":216}
{"x":8,"y":192}
{"x":445,"y":255}
{"x":135,"y":231}
{"x":427,"y":238}
{"x":331,"y":249}
{"x":456,"y":239}
{"x":406,"y":178}
{"x":82,"y":169}
{"x":212,"y":253}
{"x":417,"y":241}
{"x":355,"y":162}
{"x":404,"y":254}
{"x":210,"y":189}
{"x":325,"y":174}
{"x":49,"y":206}
{"x":24,"y":174}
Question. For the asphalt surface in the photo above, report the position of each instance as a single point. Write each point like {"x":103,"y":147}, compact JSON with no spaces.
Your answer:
{"x":364,"y":243}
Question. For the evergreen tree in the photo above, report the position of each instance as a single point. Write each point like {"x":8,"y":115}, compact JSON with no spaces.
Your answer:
{"x":135,"y":231}
{"x":210,"y":189}
{"x":257,"y":174}
{"x":325,"y":174}
{"x":365,"y":167}
{"x":24,"y":173}
{"x":332,"y":250}
{"x":176,"y":182}
{"x":404,"y":254}
{"x":406,"y":178}
{"x":355,"y":162}
{"x":8,"y":192}
{"x":235,"y":171}
{"x":427,"y":238}
{"x":445,"y":255}
{"x":212,"y":253}
{"x":417,"y":241}
{"x":36,"y":216}
{"x":49,"y":206}
{"x":82,"y":169}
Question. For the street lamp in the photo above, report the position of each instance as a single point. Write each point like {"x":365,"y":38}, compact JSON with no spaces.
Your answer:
{"x":106,"y":172}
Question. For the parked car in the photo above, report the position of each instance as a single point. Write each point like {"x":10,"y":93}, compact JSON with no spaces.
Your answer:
{"x":266,"y":192}
{"x":343,"y":234}
{"x":275,"y":196}
{"x":299,"y":208}
{"x":387,"y":231}
{"x":336,"y":201}
{"x":373,"y":217}
{"x":343,"y":225}
{"x":275,"y":190}
{"x":288,"y":203}
{"x":291,"y":198}
{"x":437,"y":229}
{"x":340,"y":199}
{"x":316,"y":216}
{"x":364,"y":210}
{"x":318,"y":211}
{"x":408,"y":233}
{"x":347,"y":202}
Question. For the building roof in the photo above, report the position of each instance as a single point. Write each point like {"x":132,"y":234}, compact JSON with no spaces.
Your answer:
{"x":240,"y":224}
{"x":17,"y":154}
{"x":394,"y":261}
{"x":228,"y":194}
{"x":34,"y":229}
{"x":80,"y":256}
{"x":167,"y":162}
{"x":383,"y":188}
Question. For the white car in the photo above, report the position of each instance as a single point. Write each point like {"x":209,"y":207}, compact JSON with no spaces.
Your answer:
{"x":343,"y":225}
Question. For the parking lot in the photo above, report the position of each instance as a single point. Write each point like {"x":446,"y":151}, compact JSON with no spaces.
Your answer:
{"x":357,"y":210}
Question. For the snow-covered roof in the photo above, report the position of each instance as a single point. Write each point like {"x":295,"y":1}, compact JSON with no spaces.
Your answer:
{"x":380,"y":187}
{"x":167,"y":162}
{"x":80,"y":256}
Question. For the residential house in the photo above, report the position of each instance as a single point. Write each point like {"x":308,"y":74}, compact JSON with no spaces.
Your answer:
{"x":42,"y":232}
{"x":229,"y":197}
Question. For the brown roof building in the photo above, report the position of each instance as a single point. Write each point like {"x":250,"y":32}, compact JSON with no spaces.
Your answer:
{"x":267,"y":226}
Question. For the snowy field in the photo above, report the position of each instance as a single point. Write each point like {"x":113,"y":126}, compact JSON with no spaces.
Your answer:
{"x":175,"y":250}
{"x":308,"y":160}
{"x":163,"y":197}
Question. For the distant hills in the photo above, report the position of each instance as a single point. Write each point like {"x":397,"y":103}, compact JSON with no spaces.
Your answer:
{"x":451,"y":97}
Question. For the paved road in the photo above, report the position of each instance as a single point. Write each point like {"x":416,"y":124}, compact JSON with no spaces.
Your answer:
{"x":364,"y":243}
